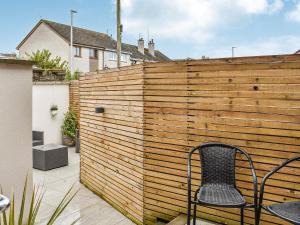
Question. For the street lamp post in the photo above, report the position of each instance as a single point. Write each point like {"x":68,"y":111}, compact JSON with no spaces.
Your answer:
{"x":232,"y":51}
{"x":71,"y":42}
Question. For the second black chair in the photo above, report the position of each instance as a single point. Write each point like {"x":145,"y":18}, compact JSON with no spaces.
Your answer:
{"x":289,"y":211}
{"x":218,"y":183}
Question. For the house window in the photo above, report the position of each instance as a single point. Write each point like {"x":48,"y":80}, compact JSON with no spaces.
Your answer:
{"x":123,"y":58}
{"x":93,"y":53}
{"x":112,"y":56}
{"x":77,"y":51}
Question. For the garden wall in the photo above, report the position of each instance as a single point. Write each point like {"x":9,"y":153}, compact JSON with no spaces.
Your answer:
{"x":44,"y":95}
{"x":135,"y":153}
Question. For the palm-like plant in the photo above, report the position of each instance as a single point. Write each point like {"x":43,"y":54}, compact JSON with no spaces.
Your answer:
{"x":35,"y":203}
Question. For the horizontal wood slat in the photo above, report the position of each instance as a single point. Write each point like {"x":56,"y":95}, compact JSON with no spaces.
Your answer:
{"x":112,"y":142}
{"x":135,"y":154}
{"x":74,"y":97}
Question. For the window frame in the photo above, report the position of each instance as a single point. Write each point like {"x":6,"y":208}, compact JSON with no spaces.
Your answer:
{"x":123,"y":57}
{"x":75,"y":51}
{"x":114,"y":54}
{"x":95,"y":51}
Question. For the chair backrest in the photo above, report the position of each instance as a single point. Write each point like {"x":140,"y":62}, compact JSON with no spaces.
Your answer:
{"x":218,"y":164}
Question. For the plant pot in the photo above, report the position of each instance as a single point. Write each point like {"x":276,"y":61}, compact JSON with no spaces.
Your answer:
{"x":68,"y":141}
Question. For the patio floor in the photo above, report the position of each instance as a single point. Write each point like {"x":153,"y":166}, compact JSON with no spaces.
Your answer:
{"x":90,"y":208}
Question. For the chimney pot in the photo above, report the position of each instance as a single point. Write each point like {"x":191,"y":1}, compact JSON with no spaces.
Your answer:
{"x":151,"y":47}
{"x":141,"y":45}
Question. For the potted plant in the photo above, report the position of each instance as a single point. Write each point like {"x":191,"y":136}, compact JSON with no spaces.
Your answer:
{"x":54,"y":110}
{"x":69,"y":128}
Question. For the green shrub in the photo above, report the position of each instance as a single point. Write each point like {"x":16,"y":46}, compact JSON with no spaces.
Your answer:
{"x":70,"y":124}
{"x":74,"y":76}
{"x":68,"y":76}
{"x":44,"y":60}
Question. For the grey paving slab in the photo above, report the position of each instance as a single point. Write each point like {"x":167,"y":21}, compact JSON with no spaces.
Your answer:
{"x":91,"y":209}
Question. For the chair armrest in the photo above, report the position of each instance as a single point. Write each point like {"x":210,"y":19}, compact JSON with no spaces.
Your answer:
{"x":266,"y":177}
{"x":253,"y":172}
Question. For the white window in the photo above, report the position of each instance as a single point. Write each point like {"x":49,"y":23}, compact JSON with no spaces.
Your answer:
{"x":112,"y":56}
{"x":77,"y":51}
{"x":93,"y":53}
{"x":123,"y":57}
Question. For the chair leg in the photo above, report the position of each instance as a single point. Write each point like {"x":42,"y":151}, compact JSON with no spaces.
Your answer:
{"x":188,"y":222}
{"x":257,"y":215}
{"x":242,"y":216}
{"x":194,"y":215}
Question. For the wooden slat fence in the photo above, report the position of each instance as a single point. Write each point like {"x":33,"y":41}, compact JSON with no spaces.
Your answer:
{"x":112,"y":142}
{"x":74,"y":96}
{"x":165,"y":109}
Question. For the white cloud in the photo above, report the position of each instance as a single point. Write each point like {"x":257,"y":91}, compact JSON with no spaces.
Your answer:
{"x":269,"y":46}
{"x":260,"y":6}
{"x":295,"y":14}
{"x":198,"y":20}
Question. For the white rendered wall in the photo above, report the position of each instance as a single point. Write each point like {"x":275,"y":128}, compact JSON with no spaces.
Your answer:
{"x":44,"y":95}
{"x":113,"y":63}
{"x":15,"y":128}
{"x":82,"y":63}
{"x":45,"y":38}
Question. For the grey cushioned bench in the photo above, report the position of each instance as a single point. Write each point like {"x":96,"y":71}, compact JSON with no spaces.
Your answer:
{"x":50,"y":156}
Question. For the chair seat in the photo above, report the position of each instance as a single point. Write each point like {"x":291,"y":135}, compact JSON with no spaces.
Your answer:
{"x":218,"y":195}
{"x":289,"y":211}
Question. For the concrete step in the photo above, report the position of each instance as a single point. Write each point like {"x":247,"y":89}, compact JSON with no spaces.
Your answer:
{"x":181,"y":220}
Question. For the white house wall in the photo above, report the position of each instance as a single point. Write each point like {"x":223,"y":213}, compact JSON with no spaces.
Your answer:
{"x":113,"y":63}
{"x":82,"y":63}
{"x":15,"y":128}
{"x":43,"y":97}
{"x":45,"y":38}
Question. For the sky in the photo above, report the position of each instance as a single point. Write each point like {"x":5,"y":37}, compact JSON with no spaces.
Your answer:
{"x":180,"y":28}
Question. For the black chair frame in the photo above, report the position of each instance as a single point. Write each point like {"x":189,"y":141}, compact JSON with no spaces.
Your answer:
{"x":262,"y":188}
{"x":195,"y":203}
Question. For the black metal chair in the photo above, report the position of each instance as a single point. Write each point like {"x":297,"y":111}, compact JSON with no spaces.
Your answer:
{"x":289,"y":211}
{"x":218,"y":184}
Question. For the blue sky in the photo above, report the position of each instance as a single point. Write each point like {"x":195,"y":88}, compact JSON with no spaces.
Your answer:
{"x":190,"y":28}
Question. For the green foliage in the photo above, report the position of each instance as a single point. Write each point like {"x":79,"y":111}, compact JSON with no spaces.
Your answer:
{"x":70,"y":124}
{"x":34,"y":206}
{"x":69,"y":76}
{"x":44,"y":60}
{"x":76,"y":75}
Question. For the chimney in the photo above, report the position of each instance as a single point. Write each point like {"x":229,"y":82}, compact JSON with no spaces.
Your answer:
{"x":141,"y":45}
{"x":151,"y":47}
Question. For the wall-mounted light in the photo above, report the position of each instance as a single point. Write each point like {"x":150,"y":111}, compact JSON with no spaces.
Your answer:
{"x":99,"y":110}
{"x":54,"y":111}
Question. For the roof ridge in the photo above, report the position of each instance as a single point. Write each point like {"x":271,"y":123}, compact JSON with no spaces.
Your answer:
{"x":97,"y":39}
{"x":75,"y":27}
